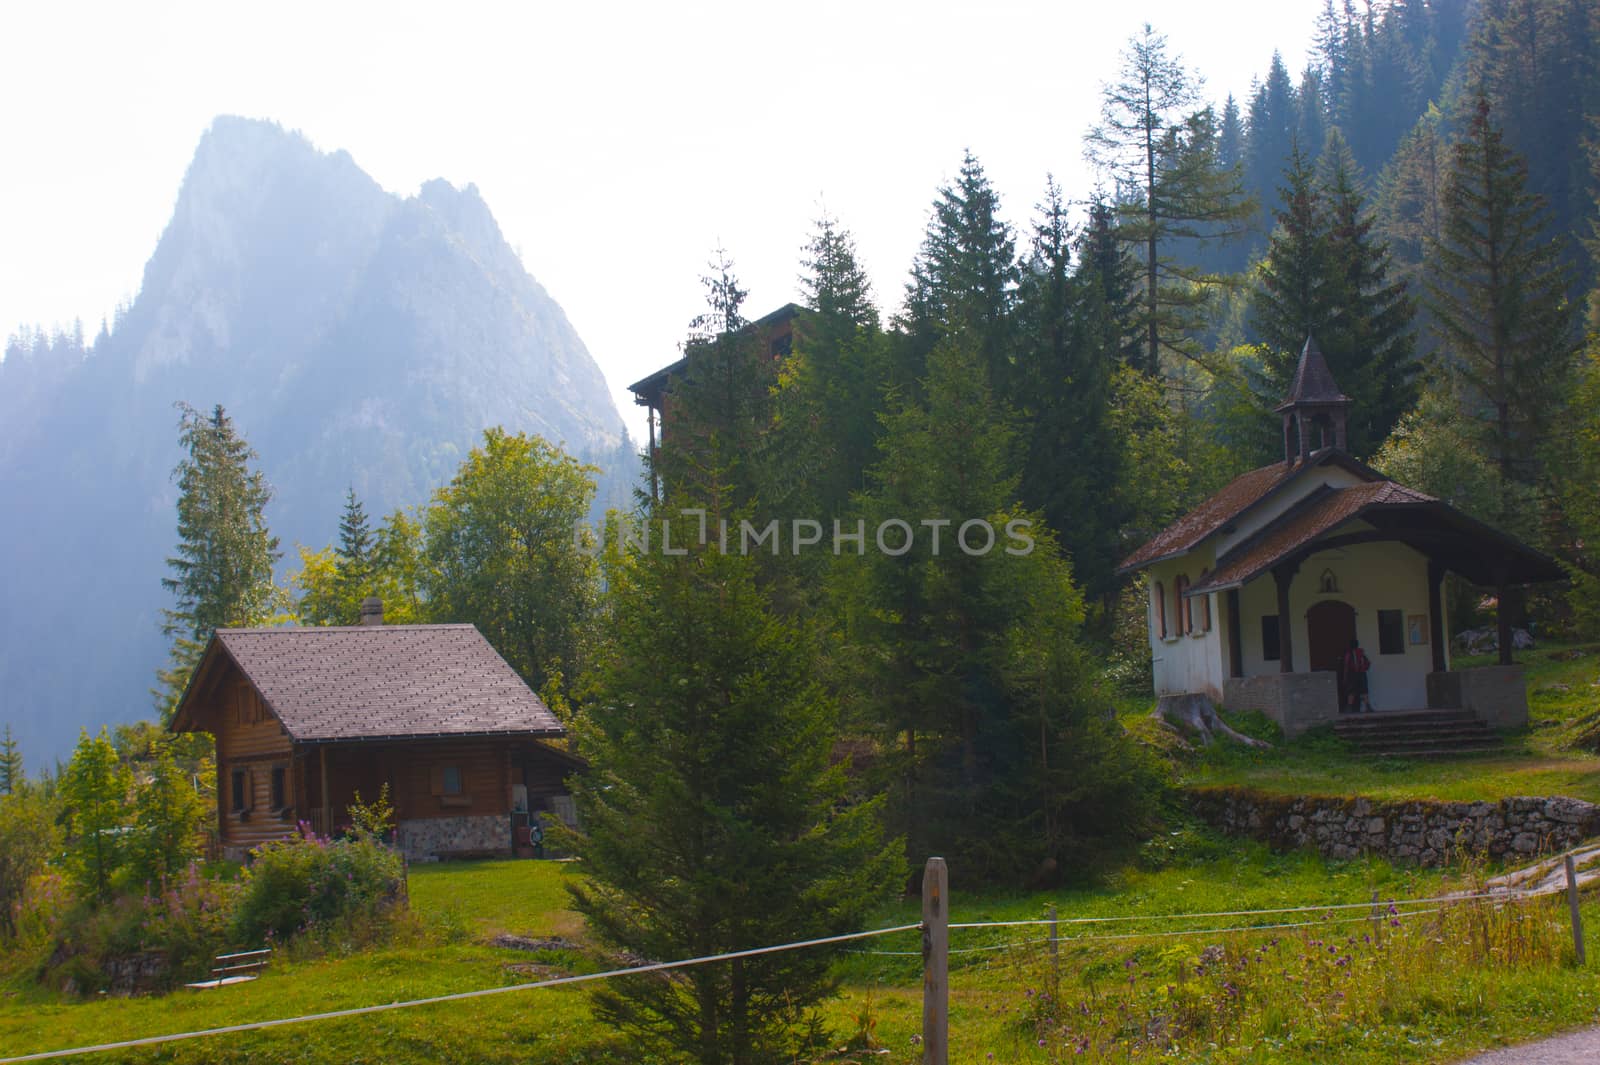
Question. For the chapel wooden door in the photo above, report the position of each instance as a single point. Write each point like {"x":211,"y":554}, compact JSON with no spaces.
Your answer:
{"x":1330,"y":626}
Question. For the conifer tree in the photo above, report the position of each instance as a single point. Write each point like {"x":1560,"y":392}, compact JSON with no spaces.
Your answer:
{"x":1172,"y":190}
{"x":12,"y":772}
{"x":1326,"y":275}
{"x":222,"y":568}
{"x":713,"y":820}
{"x":935,"y":620}
{"x":95,"y":790}
{"x":1498,"y":296}
{"x":828,"y":411}
{"x":963,"y":282}
{"x":355,"y":552}
{"x":1071,"y":465}
{"x":1370,"y":342}
{"x":1294,"y":297}
{"x":1273,"y":125}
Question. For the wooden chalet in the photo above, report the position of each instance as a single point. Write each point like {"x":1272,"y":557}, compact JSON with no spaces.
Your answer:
{"x":304,"y":718}
{"x":775,"y":331}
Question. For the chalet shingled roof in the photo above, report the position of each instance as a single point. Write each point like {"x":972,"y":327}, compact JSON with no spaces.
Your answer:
{"x":1313,"y":382}
{"x":377,"y":682}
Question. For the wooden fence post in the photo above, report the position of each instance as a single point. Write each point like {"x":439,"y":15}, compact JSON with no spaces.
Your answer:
{"x":1572,"y":904}
{"x":1055,"y":959}
{"x":935,"y":963}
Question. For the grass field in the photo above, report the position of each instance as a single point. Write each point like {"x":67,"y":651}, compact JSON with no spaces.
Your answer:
{"x":1456,"y":1003}
{"x":1563,"y":687}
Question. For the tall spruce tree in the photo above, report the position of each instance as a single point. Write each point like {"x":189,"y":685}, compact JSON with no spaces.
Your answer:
{"x":1273,"y":124}
{"x":829,"y":412}
{"x":935,"y":618}
{"x":713,"y":819}
{"x":222,"y":568}
{"x":1071,"y":464}
{"x":1371,"y":342}
{"x":1294,"y":296}
{"x":1326,"y":275}
{"x":1538,"y":61}
{"x":1172,"y":191}
{"x":1498,"y":297}
{"x":963,"y":282}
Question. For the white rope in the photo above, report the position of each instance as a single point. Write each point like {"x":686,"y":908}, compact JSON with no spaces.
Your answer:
{"x":1242,"y":913}
{"x":1243,"y":928}
{"x":1156,"y":935}
{"x":457,"y":997}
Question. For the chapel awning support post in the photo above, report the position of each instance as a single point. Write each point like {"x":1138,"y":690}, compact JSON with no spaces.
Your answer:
{"x":1436,"y":613}
{"x":1283,"y":575}
{"x":1502,"y":618}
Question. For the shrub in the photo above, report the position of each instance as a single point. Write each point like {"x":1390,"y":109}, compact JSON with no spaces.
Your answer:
{"x":28,"y":838}
{"x":186,"y":921}
{"x":301,"y":883}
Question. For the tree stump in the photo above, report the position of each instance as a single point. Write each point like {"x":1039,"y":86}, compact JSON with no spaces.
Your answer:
{"x":1193,"y":713}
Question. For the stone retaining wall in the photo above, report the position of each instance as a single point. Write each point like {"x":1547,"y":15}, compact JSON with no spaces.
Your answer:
{"x":1423,"y":832}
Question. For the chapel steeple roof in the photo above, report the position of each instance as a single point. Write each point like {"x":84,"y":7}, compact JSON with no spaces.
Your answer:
{"x":1314,"y":400}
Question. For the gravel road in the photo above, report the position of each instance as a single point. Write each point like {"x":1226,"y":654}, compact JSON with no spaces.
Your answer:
{"x":1574,"y":1048}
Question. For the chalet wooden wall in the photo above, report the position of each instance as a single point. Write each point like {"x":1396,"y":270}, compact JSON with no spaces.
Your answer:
{"x":250,"y":740}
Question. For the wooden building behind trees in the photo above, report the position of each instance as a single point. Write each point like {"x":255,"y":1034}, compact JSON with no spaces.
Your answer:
{"x":307,"y":719}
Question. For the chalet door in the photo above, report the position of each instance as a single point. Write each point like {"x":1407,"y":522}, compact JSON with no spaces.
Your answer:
{"x":1330,"y":626}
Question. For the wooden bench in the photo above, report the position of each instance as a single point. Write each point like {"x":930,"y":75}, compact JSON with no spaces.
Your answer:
{"x":238,"y":968}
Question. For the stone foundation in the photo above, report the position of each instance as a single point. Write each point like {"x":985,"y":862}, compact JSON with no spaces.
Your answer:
{"x":1497,"y":694}
{"x":446,"y":837}
{"x":1416,"y":833}
{"x":1298,"y":702}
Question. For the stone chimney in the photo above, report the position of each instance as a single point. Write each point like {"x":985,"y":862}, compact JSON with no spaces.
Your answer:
{"x":372,"y":610}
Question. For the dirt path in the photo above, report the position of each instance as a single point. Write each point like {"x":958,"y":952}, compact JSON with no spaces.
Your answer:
{"x":1550,"y":875}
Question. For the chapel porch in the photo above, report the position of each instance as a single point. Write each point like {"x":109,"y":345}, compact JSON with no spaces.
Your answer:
{"x":1462,"y":705}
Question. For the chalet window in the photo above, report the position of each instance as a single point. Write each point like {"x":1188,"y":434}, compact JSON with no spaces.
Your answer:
{"x":1269,"y":637}
{"x":280,"y":778}
{"x":1205,"y":606}
{"x":241,"y":790}
{"x":447,"y":782}
{"x":1391,"y":632}
{"x":1185,"y":617}
{"x":1159,"y":593}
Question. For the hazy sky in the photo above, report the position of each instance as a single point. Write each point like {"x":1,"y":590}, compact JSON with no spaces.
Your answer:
{"x":617,"y":144}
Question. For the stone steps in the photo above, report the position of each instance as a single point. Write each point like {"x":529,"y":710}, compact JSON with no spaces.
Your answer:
{"x":1418,"y":734}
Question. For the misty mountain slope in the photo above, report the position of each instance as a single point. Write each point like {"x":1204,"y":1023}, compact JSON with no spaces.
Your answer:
{"x":357,"y":338}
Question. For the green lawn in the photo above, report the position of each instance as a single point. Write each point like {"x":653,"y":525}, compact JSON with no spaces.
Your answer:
{"x":1563,"y":687}
{"x":1426,"y":1008}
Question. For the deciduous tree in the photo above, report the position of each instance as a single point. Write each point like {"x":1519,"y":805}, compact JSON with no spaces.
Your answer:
{"x":504,"y":552}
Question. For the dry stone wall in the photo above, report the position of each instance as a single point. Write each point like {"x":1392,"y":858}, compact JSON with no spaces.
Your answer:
{"x":1422,"y":832}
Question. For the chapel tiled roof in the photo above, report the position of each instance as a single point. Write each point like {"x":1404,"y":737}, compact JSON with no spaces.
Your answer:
{"x":386,"y":681}
{"x":1238,"y":496}
{"x":1320,"y":512}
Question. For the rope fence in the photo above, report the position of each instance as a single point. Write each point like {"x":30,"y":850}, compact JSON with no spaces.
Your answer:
{"x":935,"y":928}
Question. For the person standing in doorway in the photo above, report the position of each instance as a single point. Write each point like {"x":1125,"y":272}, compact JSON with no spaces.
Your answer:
{"x":1354,"y":666}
